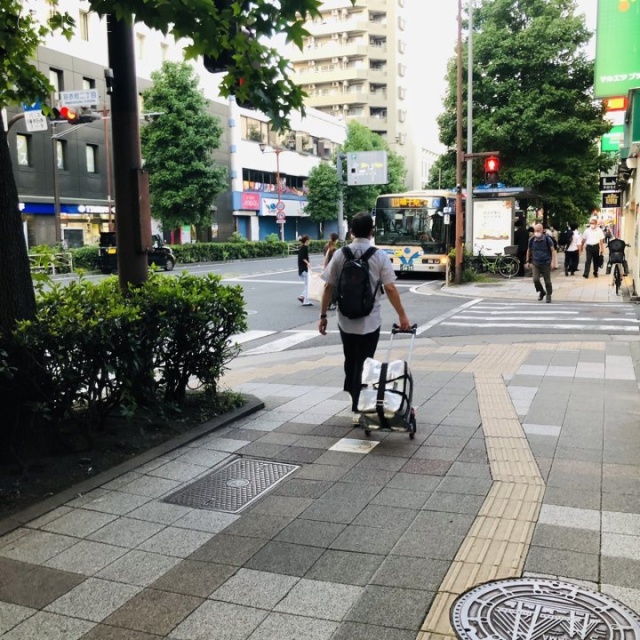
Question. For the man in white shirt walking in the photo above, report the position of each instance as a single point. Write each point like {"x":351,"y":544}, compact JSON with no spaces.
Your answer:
{"x":593,"y":243}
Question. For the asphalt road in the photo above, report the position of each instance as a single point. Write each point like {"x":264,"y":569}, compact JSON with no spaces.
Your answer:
{"x":277,"y":321}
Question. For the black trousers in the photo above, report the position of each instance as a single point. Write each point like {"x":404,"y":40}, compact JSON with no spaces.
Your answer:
{"x":357,"y":348}
{"x":593,"y":254}
{"x":571,"y":260}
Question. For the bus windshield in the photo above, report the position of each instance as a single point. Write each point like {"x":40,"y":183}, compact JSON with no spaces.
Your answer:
{"x":412,"y":221}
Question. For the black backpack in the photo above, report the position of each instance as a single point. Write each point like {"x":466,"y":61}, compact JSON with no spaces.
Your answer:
{"x":355,"y":294}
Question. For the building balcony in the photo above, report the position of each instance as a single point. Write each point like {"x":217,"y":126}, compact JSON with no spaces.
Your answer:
{"x":323,"y":75}
{"x":330,"y":26}
{"x":378,"y":99}
{"x":378,"y":76}
{"x":332,"y":49}
{"x":375,"y":124}
{"x":377,"y":52}
{"x":339,"y":99}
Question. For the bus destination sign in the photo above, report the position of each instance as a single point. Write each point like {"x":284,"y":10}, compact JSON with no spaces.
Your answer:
{"x":410,"y":203}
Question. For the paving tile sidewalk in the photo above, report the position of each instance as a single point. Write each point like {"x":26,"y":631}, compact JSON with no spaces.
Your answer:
{"x":526,"y":461}
{"x":565,"y":288}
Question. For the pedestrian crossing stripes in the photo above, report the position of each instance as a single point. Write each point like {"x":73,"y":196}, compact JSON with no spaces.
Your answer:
{"x":610,"y":318}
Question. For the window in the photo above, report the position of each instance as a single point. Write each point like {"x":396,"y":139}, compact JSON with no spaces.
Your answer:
{"x":140,"y":42}
{"x":87,"y":84}
{"x":55,"y":79}
{"x":91,"y":152}
{"x":83,"y":26}
{"x":61,"y":154}
{"x":23,"y":147}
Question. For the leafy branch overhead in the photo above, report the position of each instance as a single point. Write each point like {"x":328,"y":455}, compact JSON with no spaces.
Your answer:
{"x":233,"y":30}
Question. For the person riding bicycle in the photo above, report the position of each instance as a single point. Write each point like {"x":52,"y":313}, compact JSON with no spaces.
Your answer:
{"x":616,"y":255}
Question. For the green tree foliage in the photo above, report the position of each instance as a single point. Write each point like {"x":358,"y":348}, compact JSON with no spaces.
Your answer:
{"x":360,"y":138}
{"x":177,"y":148}
{"x":229,"y":30}
{"x":533,"y":101}
{"x":442,"y":174}
{"x":20,"y":35}
{"x":324,"y":193}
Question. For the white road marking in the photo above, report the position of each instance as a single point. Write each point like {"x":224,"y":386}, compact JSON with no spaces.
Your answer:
{"x":523,"y":325}
{"x":512,"y":316}
{"x":248,"y":336}
{"x":439,"y":319}
{"x":281,"y":344}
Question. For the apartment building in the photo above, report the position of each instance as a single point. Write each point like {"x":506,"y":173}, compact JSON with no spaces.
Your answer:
{"x":354,"y":65}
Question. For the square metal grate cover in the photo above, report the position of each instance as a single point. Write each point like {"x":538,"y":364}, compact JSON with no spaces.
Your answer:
{"x":234,"y":486}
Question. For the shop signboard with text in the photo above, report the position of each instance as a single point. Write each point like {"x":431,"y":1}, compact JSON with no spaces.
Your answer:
{"x":617,"y":66}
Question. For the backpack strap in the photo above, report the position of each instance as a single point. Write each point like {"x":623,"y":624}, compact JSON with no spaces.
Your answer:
{"x":348,"y":254}
{"x":368,"y":253}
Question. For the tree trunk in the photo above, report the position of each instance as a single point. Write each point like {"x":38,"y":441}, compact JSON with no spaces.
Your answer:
{"x":17,"y":297}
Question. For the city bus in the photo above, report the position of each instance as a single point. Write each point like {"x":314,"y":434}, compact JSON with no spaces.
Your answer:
{"x":416,"y":229}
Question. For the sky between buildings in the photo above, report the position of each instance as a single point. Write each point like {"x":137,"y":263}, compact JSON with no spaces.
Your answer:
{"x":433,"y":33}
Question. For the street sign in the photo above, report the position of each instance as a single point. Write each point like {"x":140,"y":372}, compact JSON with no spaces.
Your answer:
{"x":280,"y":206}
{"x":84,"y":98}
{"x":367,"y":167}
{"x":34,"y":119}
{"x":280,"y":216}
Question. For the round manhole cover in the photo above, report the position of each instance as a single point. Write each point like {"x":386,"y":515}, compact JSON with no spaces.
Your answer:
{"x":537,"y":609}
{"x":238,"y":483}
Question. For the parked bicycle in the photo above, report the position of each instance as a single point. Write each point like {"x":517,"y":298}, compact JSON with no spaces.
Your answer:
{"x":617,"y":262}
{"x":506,"y":266}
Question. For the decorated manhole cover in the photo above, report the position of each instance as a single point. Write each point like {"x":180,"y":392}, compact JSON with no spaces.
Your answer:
{"x":234,"y":486}
{"x":539,"y":609}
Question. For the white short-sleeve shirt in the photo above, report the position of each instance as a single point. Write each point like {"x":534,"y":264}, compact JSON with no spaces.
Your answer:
{"x":380,"y":272}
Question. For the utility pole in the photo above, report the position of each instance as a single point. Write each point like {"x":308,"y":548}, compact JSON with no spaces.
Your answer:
{"x":133,"y":219}
{"x":469,"y":201}
{"x":459,"y":157}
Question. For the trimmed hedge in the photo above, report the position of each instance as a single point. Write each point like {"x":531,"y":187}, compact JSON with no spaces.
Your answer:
{"x":87,"y":257}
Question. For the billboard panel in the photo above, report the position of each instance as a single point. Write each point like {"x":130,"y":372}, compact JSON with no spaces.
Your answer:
{"x":617,"y":66}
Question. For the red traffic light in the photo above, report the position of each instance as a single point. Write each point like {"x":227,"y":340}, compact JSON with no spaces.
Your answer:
{"x":70,"y":115}
{"x":492,"y":164}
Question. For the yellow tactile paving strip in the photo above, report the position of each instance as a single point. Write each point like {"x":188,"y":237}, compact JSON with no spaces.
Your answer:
{"x":497,"y":543}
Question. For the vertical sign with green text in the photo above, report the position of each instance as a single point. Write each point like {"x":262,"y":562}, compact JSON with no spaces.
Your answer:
{"x":617,"y":67}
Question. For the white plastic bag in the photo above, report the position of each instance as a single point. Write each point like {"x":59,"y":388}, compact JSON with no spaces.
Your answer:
{"x":316,"y":286}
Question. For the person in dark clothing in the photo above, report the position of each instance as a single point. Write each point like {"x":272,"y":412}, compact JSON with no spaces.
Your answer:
{"x":541,"y":255}
{"x":521,"y":240}
{"x":304,"y":267}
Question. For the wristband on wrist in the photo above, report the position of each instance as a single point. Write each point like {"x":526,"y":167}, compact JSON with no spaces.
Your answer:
{"x":323,"y":316}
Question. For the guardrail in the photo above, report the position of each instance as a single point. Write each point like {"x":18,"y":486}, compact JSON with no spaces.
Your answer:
{"x":293,"y":247}
{"x":51,"y":263}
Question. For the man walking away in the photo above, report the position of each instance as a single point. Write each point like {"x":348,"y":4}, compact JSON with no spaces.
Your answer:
{"x":593,"y":243}
{"x":521,"y":240}
{"x":360,"y":335}
{"x":541,"y":255}
{"x":572,"y":250}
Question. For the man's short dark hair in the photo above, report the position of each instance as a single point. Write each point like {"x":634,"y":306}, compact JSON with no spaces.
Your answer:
{"x":361,"y":224}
